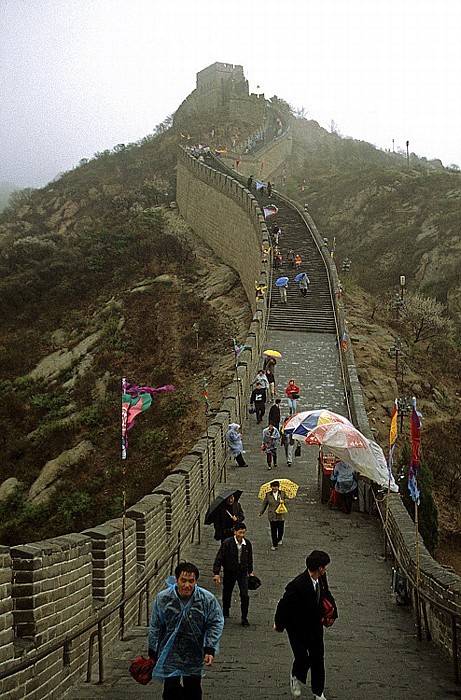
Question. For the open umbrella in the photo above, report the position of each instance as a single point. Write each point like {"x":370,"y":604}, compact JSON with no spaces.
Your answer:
{"x":218,"y":503}
{"x":290,"y":488}
{"x":298,"y":277}
{"x":351,"y":446}
{"x":272,"y":353}
{"x":282,"y":281}
{"x":302,"y":424}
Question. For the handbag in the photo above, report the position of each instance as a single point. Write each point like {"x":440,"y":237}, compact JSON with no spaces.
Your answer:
{"x":295,"y":395}
{"x":298,"y":451}
{"x":252,"y":410}
{"x":141,"y":669}
{"x":281,"y":509}
{"x":328,"y":610}
{"x":253,"y":583}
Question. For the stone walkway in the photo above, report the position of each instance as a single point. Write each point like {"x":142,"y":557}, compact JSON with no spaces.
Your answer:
{"x":371,"y":652}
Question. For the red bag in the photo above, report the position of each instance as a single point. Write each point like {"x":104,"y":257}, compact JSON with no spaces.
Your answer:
{"x":335,"y":499}
{"x":328,"y":610}
{"x":141,"y":669}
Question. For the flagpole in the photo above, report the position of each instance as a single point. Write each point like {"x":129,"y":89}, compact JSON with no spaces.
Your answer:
{"x":122,"y":609}
{"x":207,"y":406}
{"x":418,"y":572}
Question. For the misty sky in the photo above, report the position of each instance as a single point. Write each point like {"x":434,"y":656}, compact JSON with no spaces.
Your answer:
{"x":80,"y":76}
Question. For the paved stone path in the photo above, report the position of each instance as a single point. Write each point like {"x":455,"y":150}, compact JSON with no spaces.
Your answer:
{"x":371,"y":652}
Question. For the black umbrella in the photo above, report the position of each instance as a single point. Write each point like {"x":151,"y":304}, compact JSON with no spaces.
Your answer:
{"x":219,"y":503}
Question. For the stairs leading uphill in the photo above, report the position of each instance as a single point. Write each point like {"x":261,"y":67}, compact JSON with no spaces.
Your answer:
{"x":314,"y":312}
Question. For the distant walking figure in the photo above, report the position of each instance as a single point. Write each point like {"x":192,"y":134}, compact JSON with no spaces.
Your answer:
{"x":235,"y":444}
{"x":270,"y":443}
{"x":304,"y":284}
{"x":292,"y":392}
{"x":283,"y":293}
{"x":272,"y":501}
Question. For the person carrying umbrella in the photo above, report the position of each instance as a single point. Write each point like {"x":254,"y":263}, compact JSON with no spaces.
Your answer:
{"x":235,"y":444}
{"x":283,"y":288}
{"x":276,"y":509}
{"x":303,"y":283}
{"x":226,"y":515}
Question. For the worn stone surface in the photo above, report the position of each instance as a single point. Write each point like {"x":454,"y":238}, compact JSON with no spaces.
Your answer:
{"x":45,"y":483}
{"x":8,"y":487}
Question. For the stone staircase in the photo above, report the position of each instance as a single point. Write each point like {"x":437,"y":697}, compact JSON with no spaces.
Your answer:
{"x":313,"y":313}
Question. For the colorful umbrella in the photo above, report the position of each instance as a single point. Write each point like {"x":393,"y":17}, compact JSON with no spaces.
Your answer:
{"x":302,"y":424}
{"x":348,"y":443}
{"x":272,"y":353}
{"x":281,"y":282}
{"x":290,"y":488}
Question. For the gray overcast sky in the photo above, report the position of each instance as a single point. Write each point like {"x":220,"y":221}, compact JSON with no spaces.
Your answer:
{"x":80,"y":76}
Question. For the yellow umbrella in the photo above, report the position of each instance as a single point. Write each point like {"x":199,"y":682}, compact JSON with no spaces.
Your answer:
{"x":272,"y":353}
{"x":290,"y":488}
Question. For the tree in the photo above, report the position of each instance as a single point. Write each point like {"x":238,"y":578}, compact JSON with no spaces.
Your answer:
{"x":425,"y":317}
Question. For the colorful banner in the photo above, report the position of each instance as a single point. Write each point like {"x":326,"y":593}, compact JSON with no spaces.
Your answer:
{"x":206,"y":399}
{"x":415,"y":451}
{"x":135,"y":399}
{"x":270,"y":210}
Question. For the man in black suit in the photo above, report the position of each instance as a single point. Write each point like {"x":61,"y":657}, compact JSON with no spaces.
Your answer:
{"x":300,"y":612}
{"x":235,"y":556}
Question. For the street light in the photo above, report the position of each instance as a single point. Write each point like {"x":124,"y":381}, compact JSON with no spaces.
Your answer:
{"x":403,"y":407}
{"x":196,"y":327}
{"x":396,"y":350}
{"x":402,"y":286}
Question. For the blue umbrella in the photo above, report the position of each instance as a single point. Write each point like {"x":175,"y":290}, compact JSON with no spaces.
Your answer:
{"x":281,"y":282}
{"x":298,"y":277}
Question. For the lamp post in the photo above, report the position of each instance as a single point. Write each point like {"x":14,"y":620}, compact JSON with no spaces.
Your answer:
{"x":196,"y":327}
{"x":403,"y":407}
{"x":402,"y":287}
{"x":396,"y":350}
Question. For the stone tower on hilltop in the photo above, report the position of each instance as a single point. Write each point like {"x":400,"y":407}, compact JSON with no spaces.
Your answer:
{"x":221,"y":94}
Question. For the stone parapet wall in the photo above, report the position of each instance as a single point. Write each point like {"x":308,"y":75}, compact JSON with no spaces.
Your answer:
{"x":225,"y":215}
{"x":439,"y":587}
{"x":267,"y":161}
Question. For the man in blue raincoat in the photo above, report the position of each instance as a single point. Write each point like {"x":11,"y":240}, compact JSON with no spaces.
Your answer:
{"x":185,"y":628}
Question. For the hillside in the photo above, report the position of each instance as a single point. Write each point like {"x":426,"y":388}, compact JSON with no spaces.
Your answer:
{"x":389,"y":218}
{"x":99,"y":280}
